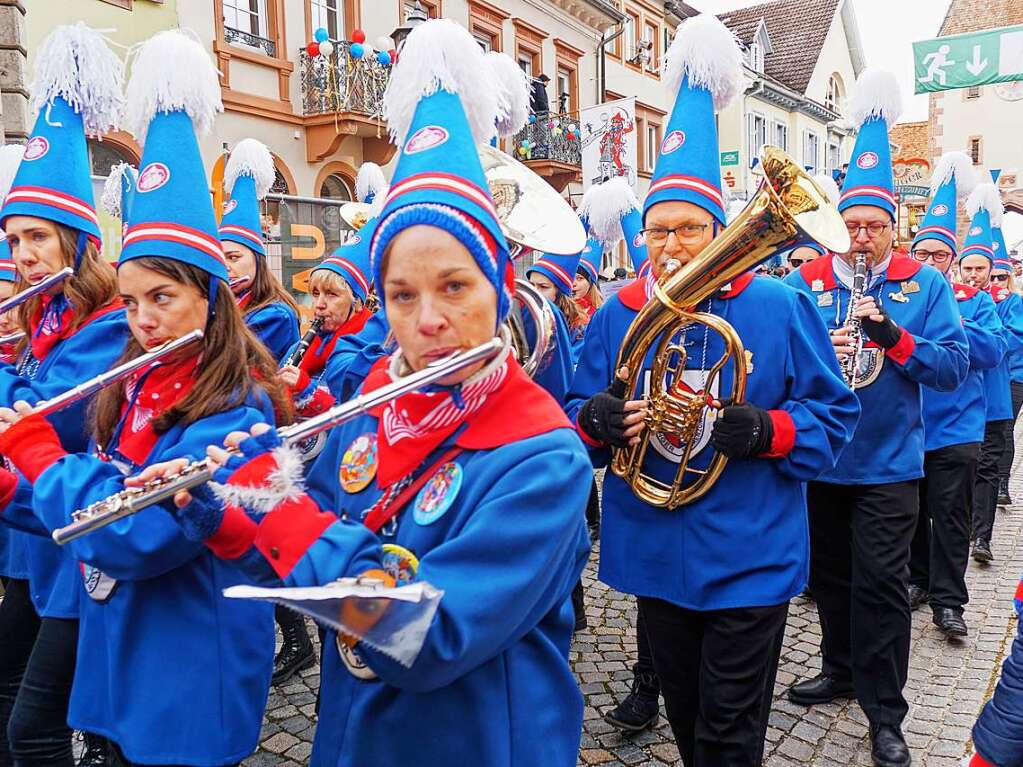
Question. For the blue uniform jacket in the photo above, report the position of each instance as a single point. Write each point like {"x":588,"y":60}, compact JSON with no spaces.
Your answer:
{"x":1016,"y":367}
{"x":746,"y":542}
{"x":53,"y":574}
{"x":889,"y":442}
{"x":167,"y":668}
{"x":996,"y":380}
{"x":998,"y":733}
{"x":491,"y":685}
{"x":276,"y":325}
{"x":957,"y":417}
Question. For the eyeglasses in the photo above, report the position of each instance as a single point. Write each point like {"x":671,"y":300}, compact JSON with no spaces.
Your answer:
{"x":874,"y":228}
{"x":999,"y":277}
{"x":795,"y":263}
{"x":937,"y":256}
{"x":658,"y":235}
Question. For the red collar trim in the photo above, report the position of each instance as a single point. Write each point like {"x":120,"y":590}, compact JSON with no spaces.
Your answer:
{"x":999,"y":294}
{"x":633,"y":295}
{"x":902,"y":268}
{"x":822,"y":269}
{"x":964,"y":292}
{"x":738,"y":285}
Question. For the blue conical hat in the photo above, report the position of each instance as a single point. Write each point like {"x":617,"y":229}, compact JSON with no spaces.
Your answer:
{"x":439,"y":105}
{"x":1002,"y":260}
{"x":560,"y":270}
{"x":612,"y":213}
{"x":172,"y":214}
{"x":952,"y":180}
{"x":249,"y":174}
{"x":875,"y":106}
{"x":591,"y":258}
{"x":77,"y":90}
{"x":984,"y":207}
{"x":704,"y":69}
{"x":351,"y":260}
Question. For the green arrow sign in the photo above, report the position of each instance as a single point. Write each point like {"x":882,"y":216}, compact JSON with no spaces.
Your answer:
{"x":963,"y":61}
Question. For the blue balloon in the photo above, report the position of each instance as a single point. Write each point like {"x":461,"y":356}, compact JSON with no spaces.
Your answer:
{"x":532,"y":119}
{"x":357,"y":50}
{"x":321,"y":35}
{"x":384,"y":57}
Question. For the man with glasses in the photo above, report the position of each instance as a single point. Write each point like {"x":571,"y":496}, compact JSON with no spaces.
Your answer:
{"x":953,"y":421}
{"x":864,"y":511}
{"x":714,"y":577}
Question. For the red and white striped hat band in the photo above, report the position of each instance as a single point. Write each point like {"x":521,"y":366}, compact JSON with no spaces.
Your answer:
{"x":42,"y":196}
{"x":6,"y":267}
{"x":349,"y":267}
{"x":444,"y":182}
{"x":976,"y":247}
{"x":935,"y":229}
{"x":182,"y":235}
{"x":241,"y":231}
{"x":692,"y":183}
{"x":868,"y":191}
{"x":562,"y":276}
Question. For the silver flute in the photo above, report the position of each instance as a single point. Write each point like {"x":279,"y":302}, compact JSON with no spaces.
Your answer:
{"x":13,"y":338}
{"x":132,"y":500}
{"x":33,"y":290}
{"x":93,"y":385}
{"x":854,"y":325}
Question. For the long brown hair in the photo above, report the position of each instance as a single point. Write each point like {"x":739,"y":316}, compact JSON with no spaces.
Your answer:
{"x":234,"y":363}
{"x":266,"y":288}
{"x":91,"y":287}
{"x":575,"y":315}
{"x":593,"y":293}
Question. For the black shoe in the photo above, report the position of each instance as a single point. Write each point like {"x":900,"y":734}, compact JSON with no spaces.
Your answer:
{"x":581,"y":624}
{"x":950,"y":622}
{"x":95,"y":754}
{"x":296,"y":651}
{"x":639,"y":710}
{"x":982,"y":552}
{"x":888,"y":747}
{"x":821,"y":689}
{"x":917,"y":596}
{"x":1004,"y":499}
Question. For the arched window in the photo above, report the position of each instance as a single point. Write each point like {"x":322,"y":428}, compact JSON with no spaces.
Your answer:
{"x":335,"y":187}
{"x":836,"y":92}
{"x":104,"y":155}
{"x":280,"y":184}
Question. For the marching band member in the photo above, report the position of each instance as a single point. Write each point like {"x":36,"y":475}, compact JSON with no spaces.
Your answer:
{"x":714,"y":578}
{"x":979,"y":267}
{"x":554,"y":277}
{"x":1004,"y":274}
{"x":584,"y":287}
{"x":953,"y":421}
{"x":270,"y":311}
{"x":74,"y":331}
{"x":863,"y":511}
{"x":154,"y":609}
{"x":503,"y":627}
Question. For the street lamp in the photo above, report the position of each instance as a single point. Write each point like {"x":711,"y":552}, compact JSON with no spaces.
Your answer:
{"x":413,"y":19}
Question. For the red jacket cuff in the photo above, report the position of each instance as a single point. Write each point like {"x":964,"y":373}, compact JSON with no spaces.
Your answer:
{"x":235,"y":535}
{"x":321,"y":401}
{"x":286,"y":533}
{"x":784,"y":437}
{"x":8,"y":484}
{"x":33,"y":446}
{"x":903,"y":348}
{"x":980,"y":761}
{"x":302,"y":382}
{"x":586,"y":438}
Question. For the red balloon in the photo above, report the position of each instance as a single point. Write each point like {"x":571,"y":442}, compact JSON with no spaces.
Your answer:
{"x":358,"y":36}
{"x":394,"y":55}
{"x":313,"y":48}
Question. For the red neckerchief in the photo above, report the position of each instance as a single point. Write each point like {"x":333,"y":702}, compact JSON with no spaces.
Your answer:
{"x":586,"y":305}
{"x":635,"y":295}
{"x":998,"y":293}
{"x":59,"y":328}
{"x":820,"y":270}
{"x":319,"y":351}
{"x":490,"y":418}
{"x":243,"y":298}
{"x":163,"y":385}
{"x":964,"y":292}
{"x":8,"y":353}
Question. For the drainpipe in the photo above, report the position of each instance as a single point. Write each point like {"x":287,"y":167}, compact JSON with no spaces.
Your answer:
{"x":602,"y":60}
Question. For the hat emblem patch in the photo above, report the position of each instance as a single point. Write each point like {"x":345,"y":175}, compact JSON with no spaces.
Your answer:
{"x":426,"y":138}
{"x":994,"y":246}
{"x":673,"y":141}
{"x":638,"y":240}
{"x":153,"y":176}
{"x":37,"y":147}
{"x":867,"y":160}
{"x":939,"y":209}
{"x":229,"y":206}
{"x":354,"y":240}
{"x":975,"y":231}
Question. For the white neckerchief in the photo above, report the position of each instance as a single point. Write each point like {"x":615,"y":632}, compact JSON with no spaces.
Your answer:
{"x":844,"y":272}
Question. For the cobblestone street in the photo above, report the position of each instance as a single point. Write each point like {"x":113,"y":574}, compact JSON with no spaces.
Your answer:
{"x":947,"y":684}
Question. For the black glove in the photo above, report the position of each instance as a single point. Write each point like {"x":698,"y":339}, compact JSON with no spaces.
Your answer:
{"x":741,"y":431}
{"x":884,"y":333}
{"x":602,"y":418}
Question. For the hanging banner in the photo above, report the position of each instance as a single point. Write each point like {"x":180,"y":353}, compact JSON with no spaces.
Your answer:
{"x":967,"y":60}
{"x":608,"y":134}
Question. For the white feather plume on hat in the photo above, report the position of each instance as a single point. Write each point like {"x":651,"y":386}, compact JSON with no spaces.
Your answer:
{"x":985,"y":197}
{"x":251,"y":158}
{"x":370,"y":180}
{"x":110,"y":200}
{"x":604,"y":205}
{"x":876,"y":96}
{"x":708,"y":52}
{"x":512,"y":93}
{"x":956,"y":165}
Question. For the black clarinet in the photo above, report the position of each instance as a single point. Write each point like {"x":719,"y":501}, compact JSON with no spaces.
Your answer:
{"x":305,"y":341}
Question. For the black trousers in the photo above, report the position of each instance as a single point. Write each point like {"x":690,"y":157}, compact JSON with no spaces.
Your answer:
{"x":37,"y":664}
{"x":985,"y":494}
{"x":859,"y":552}
{"x":717,"y":672}
{"x":941,"y":544}
{"x":117,"y":759}
{"x":1009,"y":454}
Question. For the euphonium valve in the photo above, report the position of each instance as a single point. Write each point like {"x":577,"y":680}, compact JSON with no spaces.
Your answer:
{"x":788,"y":210}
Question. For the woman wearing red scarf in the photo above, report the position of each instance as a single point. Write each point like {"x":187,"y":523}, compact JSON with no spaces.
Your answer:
{"x":476,"y":485}
{"x":152,"y":618}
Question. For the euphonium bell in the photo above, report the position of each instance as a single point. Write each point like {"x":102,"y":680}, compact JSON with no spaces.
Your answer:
{"x":788,"y":210}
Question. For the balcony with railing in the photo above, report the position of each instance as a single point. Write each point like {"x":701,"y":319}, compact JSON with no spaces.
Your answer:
{"x":551,"y":149}
{"x":250,"y":40}
{"x":343,"y":95}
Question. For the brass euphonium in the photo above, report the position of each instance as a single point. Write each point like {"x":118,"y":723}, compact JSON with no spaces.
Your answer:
{"x":788,"y":210}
